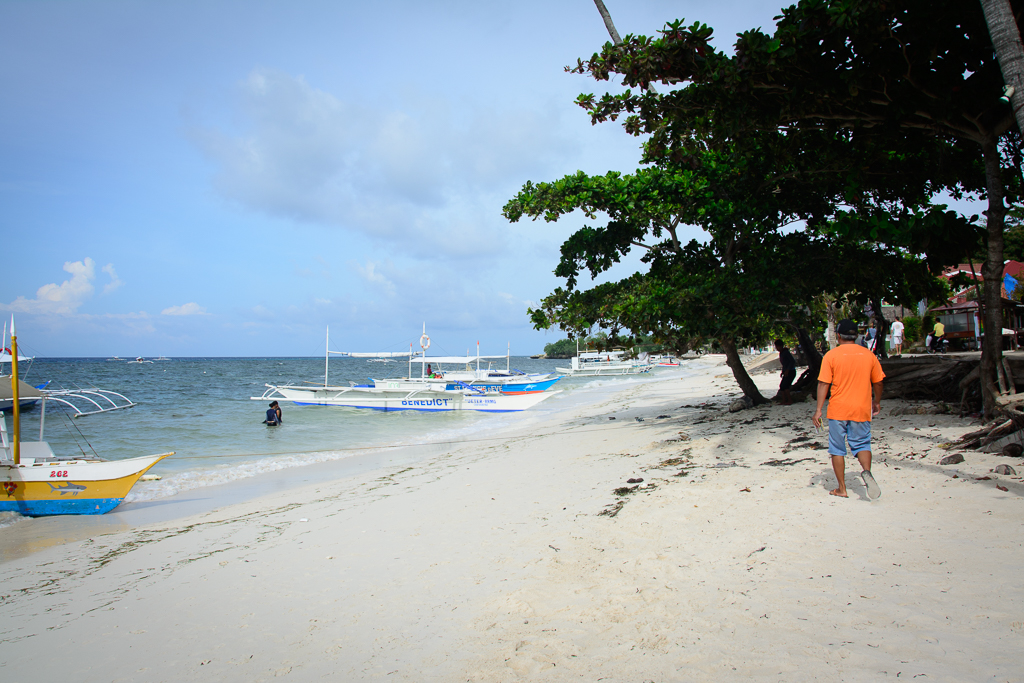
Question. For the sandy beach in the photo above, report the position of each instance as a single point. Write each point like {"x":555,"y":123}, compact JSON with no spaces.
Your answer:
{"x":533,"y":557}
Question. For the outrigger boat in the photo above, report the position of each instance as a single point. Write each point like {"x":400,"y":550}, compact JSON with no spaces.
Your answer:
{"x":421,"y":398}
{"x":600,"y":363}
{"x":490,"y":380}
{"x":422,"y":394}
{"x":38,"y":483}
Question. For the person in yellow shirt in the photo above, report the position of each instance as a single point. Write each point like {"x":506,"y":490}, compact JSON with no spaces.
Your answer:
{"x":854,"y":376}
{"x":937,"y":333}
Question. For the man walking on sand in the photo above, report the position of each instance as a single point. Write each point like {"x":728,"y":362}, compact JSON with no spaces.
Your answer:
{"x":855,"y":376}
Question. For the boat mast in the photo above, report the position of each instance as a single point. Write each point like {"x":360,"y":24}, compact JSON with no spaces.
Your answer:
{"x":508,"y":358}
{"x":327,"y":355}
{"x":16,"y":424}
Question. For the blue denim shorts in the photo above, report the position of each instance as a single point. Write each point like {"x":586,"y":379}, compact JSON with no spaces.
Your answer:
{"x":841,"y":432}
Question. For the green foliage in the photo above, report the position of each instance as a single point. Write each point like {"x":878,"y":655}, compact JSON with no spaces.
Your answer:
{"x":563,"y":348}
{"x":911,"y":330}
{"x":832,"y":123}
{"x":1013,"y":238}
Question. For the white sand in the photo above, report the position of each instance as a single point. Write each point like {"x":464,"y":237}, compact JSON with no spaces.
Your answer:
{"x":492,"y":563}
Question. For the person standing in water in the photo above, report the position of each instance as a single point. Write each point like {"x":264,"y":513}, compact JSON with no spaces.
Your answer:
{"x":274,"y":415}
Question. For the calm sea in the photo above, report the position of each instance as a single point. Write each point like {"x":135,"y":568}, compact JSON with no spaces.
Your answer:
{"x":201,"y":409}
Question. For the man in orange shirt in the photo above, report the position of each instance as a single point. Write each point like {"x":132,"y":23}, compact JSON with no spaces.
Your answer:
{"x":855,"y":376}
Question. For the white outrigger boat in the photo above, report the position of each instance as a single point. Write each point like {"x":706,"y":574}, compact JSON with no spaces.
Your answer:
{"x":421,"y":398}
{"x":38,"y":483}
{"x":429,"y":394}
{"x":601,"y":363}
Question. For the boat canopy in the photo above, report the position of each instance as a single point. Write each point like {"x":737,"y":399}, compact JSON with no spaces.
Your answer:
{"x":451,"y":359}
{"x":384,"y":354}
{"x":587,"y":355}
{"x":5,"y":357}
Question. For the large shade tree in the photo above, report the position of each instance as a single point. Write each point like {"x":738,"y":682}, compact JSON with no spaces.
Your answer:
{"x":750,"y":278}
{"x":904,"y":73}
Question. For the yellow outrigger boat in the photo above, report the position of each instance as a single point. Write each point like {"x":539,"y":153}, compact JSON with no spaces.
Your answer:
{"x":36,"y":483}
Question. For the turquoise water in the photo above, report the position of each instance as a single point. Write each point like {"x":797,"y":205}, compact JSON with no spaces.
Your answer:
{"x":201,"y":409}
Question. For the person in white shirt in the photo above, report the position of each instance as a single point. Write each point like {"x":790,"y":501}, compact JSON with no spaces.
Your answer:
{"x":897,"y":337}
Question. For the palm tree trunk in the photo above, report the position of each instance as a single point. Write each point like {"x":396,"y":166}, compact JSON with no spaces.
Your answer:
{"x":1002,"y":28}
{"x":608,"y":21}
{"x":992,"y":274}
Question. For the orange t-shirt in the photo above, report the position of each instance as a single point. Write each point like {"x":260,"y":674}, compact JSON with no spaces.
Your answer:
{"x":851,"y":370}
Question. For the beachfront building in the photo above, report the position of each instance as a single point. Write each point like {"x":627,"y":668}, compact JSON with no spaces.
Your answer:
{"x":965,"y":323}
{"x":964,"y":318}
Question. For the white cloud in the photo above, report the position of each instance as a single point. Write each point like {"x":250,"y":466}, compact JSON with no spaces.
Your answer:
{"x":428,"y":176}
{"x":62,"y":299}
{"x":190,"y":308}
{"x":372,"y":274}
{"x":115,"y":281}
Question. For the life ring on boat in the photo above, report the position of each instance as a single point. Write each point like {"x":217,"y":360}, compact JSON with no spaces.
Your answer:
{"x":424,"y":342}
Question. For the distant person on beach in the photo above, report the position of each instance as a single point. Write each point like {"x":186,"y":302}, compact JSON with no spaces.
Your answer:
{"x":273,"y":415}
{"x":897,"y":337}
{"x":855,"y":377}
{"x":788,"y":373}
{"x":872,"y":337}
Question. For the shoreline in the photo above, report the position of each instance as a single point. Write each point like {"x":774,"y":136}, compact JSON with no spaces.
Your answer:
{"x":495,"y":563}
{"x":24,"y":536}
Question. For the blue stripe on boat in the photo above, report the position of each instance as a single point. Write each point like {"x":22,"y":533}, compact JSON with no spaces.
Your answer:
{"x":39,"y":508}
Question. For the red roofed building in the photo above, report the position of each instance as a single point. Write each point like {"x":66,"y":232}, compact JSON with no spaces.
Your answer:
{"x":1015,"y":269}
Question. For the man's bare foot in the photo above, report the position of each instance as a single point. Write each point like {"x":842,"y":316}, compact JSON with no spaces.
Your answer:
{"x":835,"y":492}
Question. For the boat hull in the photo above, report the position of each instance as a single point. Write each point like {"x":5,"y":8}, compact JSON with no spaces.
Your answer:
{"x":76,"y":487}
{"x":418,"y":400}
{"x":607,"y":370}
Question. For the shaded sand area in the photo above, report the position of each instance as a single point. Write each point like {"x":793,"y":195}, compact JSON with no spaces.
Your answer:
{"x":534,"y":558}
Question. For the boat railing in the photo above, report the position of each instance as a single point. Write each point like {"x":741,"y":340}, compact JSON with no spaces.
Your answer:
{"x":5,"y":444}
{"x":82,"y":402}
{"x":476,"y":390}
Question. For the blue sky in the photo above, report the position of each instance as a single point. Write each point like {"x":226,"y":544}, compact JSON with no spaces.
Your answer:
{"x":228,"y":178}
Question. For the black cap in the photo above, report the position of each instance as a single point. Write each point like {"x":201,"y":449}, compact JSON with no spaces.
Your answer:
{"x":846,"y":327}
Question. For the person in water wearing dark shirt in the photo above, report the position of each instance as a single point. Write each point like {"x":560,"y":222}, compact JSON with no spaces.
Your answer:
{"x":273,"y":415}
{"x":788,"y":373}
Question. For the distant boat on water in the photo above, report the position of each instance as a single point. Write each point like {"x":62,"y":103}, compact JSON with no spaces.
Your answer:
{"x":140,"y":359}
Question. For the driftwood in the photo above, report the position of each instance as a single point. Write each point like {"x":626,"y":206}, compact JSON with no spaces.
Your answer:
{"x":1011,"y":420}
{"x":939,"y":378}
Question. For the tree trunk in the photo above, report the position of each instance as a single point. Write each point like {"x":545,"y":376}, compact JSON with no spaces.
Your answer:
{"x":1002,"y":28}
{"x":992,"y":273}
{"x":732,"y":357}
{"x":881,"y":329}
{"x":610,"y":26}
{"x":830,"y":335}
{"x":809,"y":377}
